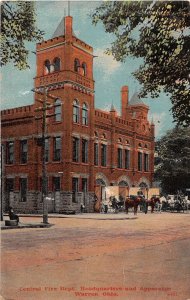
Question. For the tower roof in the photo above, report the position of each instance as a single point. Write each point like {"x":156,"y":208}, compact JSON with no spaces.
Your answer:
{"x":136,"y":100}
{"x":60,"y":30}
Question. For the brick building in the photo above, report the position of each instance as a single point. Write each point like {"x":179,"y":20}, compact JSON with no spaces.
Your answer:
{"x":87,"y":149}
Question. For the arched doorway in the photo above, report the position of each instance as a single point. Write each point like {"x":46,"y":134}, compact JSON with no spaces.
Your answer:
{"x":143,"y":189}
{"x":123,"y":189}
{"x":100,"y":189}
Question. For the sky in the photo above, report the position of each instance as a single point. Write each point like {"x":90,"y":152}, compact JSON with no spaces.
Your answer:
{"x":109,"y":75}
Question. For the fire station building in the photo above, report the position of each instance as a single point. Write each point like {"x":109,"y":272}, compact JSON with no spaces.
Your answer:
{"x":86,"y":149}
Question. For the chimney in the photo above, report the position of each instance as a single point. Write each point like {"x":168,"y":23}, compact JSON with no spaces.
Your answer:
{"x":124,"y":101}
{"x":68,"y":27}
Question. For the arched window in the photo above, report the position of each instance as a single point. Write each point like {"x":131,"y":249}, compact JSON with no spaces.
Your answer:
{"x":143,"y":185}
{"x":76,"y":65}
{"x":57,"y":110}
{"x":57,"y":64}
{"x":47,"y":66}
{"x":75,"y":111}
{"x":52,"y":69}
{"x":84,"y":114}
{"x":84,"y":67}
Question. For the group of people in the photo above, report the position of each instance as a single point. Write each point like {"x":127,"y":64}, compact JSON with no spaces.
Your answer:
{"x":173,"y":202}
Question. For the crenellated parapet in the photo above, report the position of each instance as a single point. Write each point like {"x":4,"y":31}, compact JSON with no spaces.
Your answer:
{"x":17,"y":112}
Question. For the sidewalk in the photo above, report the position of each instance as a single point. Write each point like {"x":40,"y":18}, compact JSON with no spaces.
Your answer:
{"x":95,"y":216}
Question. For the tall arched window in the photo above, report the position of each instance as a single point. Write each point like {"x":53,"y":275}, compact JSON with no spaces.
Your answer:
{"x":47,"y":66}
{"x":76,"y":64}
{"x":84,"y":114}
{"x":84,"y":68}
{"x":57,"y":64}
{"x":57,"y":110}
{"x":75,"y":111}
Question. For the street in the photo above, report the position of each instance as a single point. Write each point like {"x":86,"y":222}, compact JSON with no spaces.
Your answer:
{"x":81,"y":258}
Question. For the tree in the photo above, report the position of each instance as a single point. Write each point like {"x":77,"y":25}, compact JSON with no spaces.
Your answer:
{"x":173,"y":162}
{"x":18,"y":25}
{"x":156,"y":31}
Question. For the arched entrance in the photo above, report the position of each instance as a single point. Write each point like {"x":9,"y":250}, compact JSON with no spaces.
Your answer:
{"x":123,"y":189}
{"x":100,"y":189}
{"x":143,"y":189}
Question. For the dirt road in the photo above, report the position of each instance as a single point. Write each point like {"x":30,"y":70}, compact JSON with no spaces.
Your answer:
{"x":143,"y":258}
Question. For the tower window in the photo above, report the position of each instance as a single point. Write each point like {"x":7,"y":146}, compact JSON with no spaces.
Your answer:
{"x":57,"y":64}
{"x":76,"y":111}
{"x":76,"y":65}
{"x":47,"y":67}
{"x":84,"y":114}
{"x":84,"y":67}
{"x":57,"y":110}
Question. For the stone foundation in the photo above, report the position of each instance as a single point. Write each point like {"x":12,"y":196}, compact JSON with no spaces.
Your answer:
{"x":56,"y":203}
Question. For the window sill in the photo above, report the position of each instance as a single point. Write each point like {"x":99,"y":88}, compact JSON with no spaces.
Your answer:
{"x":56,"y":122}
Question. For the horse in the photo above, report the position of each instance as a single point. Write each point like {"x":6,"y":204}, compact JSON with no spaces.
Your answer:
{"x":152,"y":202}
{"x":134,"y":201}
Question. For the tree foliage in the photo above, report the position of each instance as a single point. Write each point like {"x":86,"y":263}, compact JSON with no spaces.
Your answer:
{"x":173,"y":163}
{"x":18,"y":25}
{"x":158,"y":32}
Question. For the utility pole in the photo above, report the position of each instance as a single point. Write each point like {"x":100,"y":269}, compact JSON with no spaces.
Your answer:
{"x":44,"y":175}
{"x":45,"y":106}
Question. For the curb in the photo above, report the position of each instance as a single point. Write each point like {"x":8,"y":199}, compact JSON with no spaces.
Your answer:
{"x":41,"y":225}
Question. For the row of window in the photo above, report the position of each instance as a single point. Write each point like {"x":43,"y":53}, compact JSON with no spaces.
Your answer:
{"x":79,"y":146}
{"x":76,"y":112}
{"x":56,"y":66}
{"x":10,"y":157}
{"x":56,"y":186}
